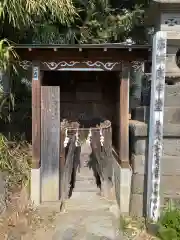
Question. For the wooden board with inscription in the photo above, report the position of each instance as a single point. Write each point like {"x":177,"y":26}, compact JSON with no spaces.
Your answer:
{"x":50,"y":142}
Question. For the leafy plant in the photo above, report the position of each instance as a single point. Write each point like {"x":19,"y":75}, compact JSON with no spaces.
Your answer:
{"x":7,"y":53}
{"x":104,"y":21}
{"x":20,"y":13}
{"x":19,"y":18}
{"x":169,"y":223}
{"x":132,"y":227}
{"x":73,"y":21}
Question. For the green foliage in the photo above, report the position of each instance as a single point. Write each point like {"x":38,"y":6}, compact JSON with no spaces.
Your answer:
{"x":19,"y":19}
{"x":24,"y":12}
{"x":6,"y":52}
{"x":77,"y":21}
{"x":104,"y":23}
{"x":169,"y":224}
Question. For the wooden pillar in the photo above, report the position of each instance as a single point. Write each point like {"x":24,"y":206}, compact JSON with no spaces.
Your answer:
{"x":124,"y":116}
{"x":36,"y":144}
{"x":36,"y":116}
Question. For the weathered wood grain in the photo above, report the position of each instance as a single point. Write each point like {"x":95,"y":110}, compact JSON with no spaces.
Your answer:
{"x":102,"y":160}
{"x":124,"y":118}
{"x":50,"y":142}
{"x":67,"y":170}
{"x":36,"y":117}
{"x":62,"y":158}
{"x":93,"y":55}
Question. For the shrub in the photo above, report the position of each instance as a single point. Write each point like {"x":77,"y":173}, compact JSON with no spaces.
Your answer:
{"x":15,"y":160}
{"x":169,"y":224}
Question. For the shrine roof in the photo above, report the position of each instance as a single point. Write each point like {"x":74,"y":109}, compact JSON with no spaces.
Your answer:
{"x":59,"y":52}
{"x":83,"y":46}
{"x":167,"y":1}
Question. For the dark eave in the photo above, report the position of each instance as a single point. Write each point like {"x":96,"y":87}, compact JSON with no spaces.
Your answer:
{"x":167,"y":1}
{"x":82,"y":46}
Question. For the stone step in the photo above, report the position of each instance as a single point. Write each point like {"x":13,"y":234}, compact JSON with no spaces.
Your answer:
{"x":84,"y":178}
{"x":171,"y":114}
{"x":85,"y":186}
{"x":170,"y":165}
{"x":140,"y":129}
{"x":84,"y":183}
{"x":85,"y":190}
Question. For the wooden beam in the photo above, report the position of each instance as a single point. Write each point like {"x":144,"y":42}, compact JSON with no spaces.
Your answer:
{"x":50,"y":143}
{"x":124,"y":116}
{"x":36,"y":116}
{"x":117,"y":55}
{"x":61,"y":160}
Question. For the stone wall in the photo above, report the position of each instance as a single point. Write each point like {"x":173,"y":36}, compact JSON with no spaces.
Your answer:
{"x":170,"y":167}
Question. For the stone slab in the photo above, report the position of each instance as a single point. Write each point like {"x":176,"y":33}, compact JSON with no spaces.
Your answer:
{"x":138,"y":203}
{"x":134,"y":102}
{"x":140,"y":129}
{"x":122,"y":186}
{"x":88,"y":217}
{"x":171,"y":114}
{"x":168,"y":185}
{"x":170,"y":165}
{"x":35,"y":186}
{"x":172,"y":95}
{"x":171,"y":147}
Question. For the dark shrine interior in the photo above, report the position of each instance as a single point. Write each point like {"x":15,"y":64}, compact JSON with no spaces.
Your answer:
{"x":87,"y":97}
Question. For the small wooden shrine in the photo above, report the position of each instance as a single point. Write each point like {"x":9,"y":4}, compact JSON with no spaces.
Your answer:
{"x":57,"y":70}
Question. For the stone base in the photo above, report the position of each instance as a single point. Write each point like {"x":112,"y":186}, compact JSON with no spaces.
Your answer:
{"x":122,"y":186}
{"x":137,"y":205}
{"x":125,"y":189}
{"x":35,"y":186}
{"x":108,"y":191}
